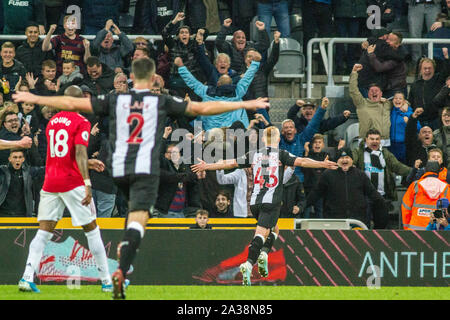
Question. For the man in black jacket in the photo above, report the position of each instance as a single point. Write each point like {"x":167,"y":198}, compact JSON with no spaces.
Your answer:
{"x":184,"y":47}
{"x":417,"y":145}
{"x":100,"y":77}
{"x":239,"y":45}
{"x":30,"y":51}
{"x":345,"y":192}
{"x":258,"y":87}
{"x":11,"y":70}
{"x":423,"y":90}
{"x":16,"y":186}
{"x":178,"y":194}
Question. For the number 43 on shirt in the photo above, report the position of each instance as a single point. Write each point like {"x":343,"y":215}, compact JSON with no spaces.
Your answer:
{"x":273,"y":179}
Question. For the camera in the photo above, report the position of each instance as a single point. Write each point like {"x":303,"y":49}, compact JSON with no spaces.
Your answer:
{"x":438,"y":214}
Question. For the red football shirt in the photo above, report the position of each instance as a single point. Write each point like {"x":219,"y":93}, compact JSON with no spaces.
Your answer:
{"x":64,"y":131}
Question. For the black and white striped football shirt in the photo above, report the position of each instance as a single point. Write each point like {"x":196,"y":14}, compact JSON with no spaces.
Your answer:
{"x":268,"y":169}
{"x":136,"y":127}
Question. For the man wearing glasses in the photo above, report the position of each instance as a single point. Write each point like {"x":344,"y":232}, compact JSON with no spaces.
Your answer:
{"x":14,"y":135}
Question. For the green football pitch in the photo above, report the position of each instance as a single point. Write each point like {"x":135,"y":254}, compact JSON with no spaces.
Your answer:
{"x":91,"y":292}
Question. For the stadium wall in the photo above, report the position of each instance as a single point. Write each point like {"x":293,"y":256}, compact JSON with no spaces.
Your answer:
{"x":212,"y":257}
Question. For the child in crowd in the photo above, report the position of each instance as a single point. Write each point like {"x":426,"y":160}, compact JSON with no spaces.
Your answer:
{"x":201,"y":220}
{"x":71,"y":74}
{"x":28,"y":113}
{"x":400,"y":114}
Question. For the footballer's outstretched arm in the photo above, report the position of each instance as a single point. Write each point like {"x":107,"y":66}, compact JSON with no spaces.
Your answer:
{"x":24,"y":143}
{"x":208,"y":108}
{"x":65,"y":103}
{"x":310,"y":163}
{"x":220,"y":165}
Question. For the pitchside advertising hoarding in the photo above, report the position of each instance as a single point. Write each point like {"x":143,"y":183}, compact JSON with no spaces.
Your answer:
{"x":212,"y":257}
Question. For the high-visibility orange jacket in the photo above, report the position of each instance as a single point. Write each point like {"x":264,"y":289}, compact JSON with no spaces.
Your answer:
{"x":420,"y":200}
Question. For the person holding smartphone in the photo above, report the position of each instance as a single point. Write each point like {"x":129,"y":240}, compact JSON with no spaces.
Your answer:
{"x":439,"y":219}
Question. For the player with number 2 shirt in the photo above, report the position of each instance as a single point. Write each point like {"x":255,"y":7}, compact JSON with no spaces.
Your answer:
{"x":136,"y":126}
{"x":268,"y":166}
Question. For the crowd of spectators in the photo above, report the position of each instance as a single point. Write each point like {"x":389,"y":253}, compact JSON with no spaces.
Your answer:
{"x":399,"y":126}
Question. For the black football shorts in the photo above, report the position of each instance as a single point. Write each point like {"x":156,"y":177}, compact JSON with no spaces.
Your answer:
{"x":266,"y":214}
{"x":140,"y":190}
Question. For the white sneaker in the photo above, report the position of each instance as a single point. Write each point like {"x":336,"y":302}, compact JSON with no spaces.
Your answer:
{"x":263,"y":265}
{"x":246,"y":270}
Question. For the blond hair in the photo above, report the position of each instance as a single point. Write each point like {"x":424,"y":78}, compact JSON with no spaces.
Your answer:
{"x":271,"y":135}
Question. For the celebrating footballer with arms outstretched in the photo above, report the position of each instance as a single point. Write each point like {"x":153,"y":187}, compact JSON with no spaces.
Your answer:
{"x":268,"y":164}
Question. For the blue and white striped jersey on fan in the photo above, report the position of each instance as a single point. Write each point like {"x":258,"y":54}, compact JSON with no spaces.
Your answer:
{"x":136,"y":126}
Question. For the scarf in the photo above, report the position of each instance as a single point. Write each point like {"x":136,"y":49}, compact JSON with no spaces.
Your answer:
{"x":374,"y":165}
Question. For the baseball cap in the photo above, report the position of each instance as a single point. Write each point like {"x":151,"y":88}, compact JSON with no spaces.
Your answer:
{"x":309,"y":103}
{"x":344,"y":152}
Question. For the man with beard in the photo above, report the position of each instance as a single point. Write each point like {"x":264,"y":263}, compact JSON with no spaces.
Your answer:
{"x":239,"y":45}
{"x":346,"y":191}
{"x":109,"y":53}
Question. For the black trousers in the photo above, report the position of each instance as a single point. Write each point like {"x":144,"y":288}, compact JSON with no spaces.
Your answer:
{"x":319,"y":20}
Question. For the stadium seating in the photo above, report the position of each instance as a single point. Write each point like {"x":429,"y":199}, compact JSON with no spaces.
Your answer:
{"x":352,"y":136}
{"x":291,"y":63}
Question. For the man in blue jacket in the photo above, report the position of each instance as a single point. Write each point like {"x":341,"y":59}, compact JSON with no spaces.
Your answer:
{"x":308,"y":109}
{"x":224,"y":90}
{"x":294,"y":141}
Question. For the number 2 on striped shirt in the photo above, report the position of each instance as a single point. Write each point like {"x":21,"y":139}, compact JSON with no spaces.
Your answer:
{"x":135,"y":117}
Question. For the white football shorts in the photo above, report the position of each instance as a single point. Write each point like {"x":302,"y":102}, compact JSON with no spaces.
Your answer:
{"x":52,"y":205}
